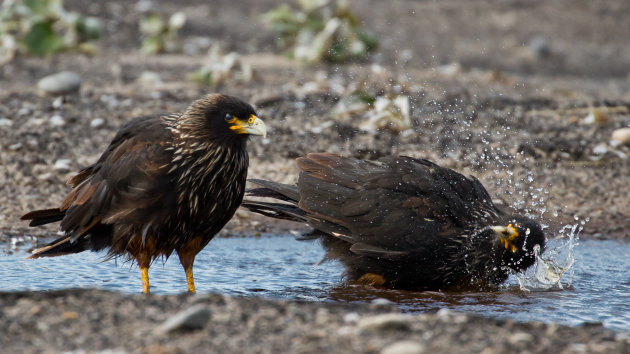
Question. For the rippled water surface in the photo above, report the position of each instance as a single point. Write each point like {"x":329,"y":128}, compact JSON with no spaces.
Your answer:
{"x":281,"y":267}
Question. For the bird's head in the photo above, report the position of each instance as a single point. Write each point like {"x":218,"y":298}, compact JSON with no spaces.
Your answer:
{"x":516,"y":240}
{"x":222,"y":117}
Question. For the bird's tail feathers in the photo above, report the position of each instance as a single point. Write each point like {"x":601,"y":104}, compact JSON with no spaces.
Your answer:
{"x":276,"y":210}
{"x":59,"y":247}
{"x":44,"y":216}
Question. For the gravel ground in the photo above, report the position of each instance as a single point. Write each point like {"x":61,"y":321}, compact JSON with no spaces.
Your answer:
{"x":533,"y":125}
{"x":70,"y":321}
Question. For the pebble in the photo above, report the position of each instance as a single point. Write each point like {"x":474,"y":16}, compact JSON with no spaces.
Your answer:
{"x":61,"y":83}
{"x":150,"y":78}
{"x":520,"y":337}
{"x":444,"y":313}
{"x":57,"y":121}
{"x":110,"y":100}
{"x":24,"y":111}
{"x":351,"y":317}
{"x":62,"y":165}
{"x":621,"y":135}
{"x":97,"y":122}
{"x":5,"y":122}
{"x":58,"y":102}
{"x":385,"y":322}
{"x":381,"y":302}
{"x":404,"y":347}
{"x":15,"y":146}
{"x":195,"y":317}
{"x":596,"y":116}
{"x":540,"y":47}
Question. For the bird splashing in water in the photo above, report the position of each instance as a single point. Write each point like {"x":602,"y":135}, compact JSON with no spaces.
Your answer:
{"x":404,"y":223}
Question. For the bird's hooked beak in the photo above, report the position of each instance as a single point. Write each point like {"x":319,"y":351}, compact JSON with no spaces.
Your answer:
{"x":507,"y":236}
{"x":252,"y":126}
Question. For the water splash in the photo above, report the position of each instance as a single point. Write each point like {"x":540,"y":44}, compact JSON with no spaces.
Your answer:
{"x":550,"y":267}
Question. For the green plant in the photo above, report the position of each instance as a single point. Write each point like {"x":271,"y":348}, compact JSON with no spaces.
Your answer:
{"x":161,"y":36}
{"x":42,"y":27}
{"x":319,"y":30}
{"x":384,"y":112}
{"x":218,"y":68}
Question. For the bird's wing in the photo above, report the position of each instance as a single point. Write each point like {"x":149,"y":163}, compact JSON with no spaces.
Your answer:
{"x":127,"y":184}
{"x":398,"y":204}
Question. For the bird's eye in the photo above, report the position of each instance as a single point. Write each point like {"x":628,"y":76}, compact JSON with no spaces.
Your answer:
{"x":228,"y":117}
{"x":251,"y":119}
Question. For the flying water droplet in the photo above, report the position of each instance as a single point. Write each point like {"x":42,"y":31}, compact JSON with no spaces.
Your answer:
{"x":550,"y":267}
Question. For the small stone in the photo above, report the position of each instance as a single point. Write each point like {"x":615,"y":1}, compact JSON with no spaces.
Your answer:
{"x":385,"y":322}
{"x":622,"y":135}
{"x":195,"y":317}
{"x":62,"y":83}
{"x":600,"y":149}
{"x":57,"y":121}
{"x":444,"y":313}
{"x":381,"y":302}
{"x":110,"y":100}
{"x":97,"y":122}
{"x":15,"y":146}
{"x":24,"y":111}
{"x":45,"y":176}
{"x":520,"y":337}
{"x":539,"y":47}
{"x":404,"y":347}
{"x":596,"y":116}
{"x":351,"y":317}
{"x":70,"y":315}
{"x":5,"y":122}
{"x":150,"y":78}
{"x":58,"y":102}
{"x":62,"y":165}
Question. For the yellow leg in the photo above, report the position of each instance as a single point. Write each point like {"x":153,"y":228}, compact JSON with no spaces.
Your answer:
{"x":144,"y":271}
{"x":189,"y":279}
{"x":187,"y":258}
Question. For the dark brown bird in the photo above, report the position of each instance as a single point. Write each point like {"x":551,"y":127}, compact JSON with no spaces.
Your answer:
{"x":165,"y":183}
{"x":404,"y":223}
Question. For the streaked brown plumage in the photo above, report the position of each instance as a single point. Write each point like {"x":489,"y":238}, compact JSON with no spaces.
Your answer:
{"x":404,"y":223}
{"x":165,"y":183}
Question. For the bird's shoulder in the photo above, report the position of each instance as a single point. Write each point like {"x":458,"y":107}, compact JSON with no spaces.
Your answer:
{"x":144,"y":140}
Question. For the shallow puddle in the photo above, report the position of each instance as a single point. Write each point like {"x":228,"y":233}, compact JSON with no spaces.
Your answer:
{"x":281,"y":267}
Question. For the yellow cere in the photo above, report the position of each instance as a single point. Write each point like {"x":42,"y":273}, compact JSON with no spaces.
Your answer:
{"x":239,"y":125}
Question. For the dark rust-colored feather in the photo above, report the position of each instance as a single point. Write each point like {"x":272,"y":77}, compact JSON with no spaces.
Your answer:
{"x":42,"y":217}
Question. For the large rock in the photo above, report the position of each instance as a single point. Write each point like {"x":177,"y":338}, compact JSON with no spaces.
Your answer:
{"x":63,"y":83}
{"x":195,"y":317}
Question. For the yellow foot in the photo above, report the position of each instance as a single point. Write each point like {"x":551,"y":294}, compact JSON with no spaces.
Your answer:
{"x":371,"y":279}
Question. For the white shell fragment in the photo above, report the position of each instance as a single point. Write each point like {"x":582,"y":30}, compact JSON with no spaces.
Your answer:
{"x":621,"y":135}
